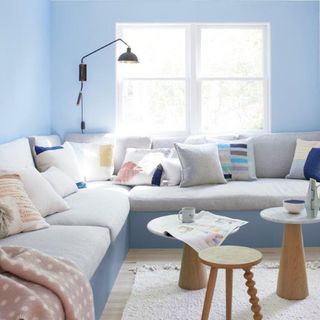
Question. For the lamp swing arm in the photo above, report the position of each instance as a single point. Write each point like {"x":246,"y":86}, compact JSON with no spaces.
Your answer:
{"x":125,"y":57}
{"x":106,"y":45}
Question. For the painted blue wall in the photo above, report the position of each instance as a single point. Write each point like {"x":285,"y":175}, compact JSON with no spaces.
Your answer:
{"x":25,"y":68}
{"x":81,"y":26}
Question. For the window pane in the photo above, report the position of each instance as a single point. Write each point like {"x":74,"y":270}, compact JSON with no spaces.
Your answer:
{"x":153,"y":106}
{"x":160,"y":50}
{"x":231,"y":52}
{"x":232,"y":105}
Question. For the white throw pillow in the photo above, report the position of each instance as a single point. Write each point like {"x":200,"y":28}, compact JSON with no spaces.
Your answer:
{"x":41,"y":193}
{"x":171,"y":171}
{"x":200,"y":164}
{"x":140,"y":167}
{"x":60,"y":182}
{"x":62,"y":157}
{"x":96,"y":160}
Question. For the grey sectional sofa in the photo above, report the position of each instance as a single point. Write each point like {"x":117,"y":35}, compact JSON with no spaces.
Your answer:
{"x":105,"y":220}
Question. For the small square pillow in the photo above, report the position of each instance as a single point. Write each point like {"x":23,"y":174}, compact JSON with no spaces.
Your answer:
{"x":41,"y":193}
{"x":96,"y":160}
{"x":141,"y":167}
{"x":301,"y":153}
{"x":200,"y":164}
{"x":11,"y":186}
{"x":62,"y":157}
{"x":237,"y":159}
{"x":312,"y":165}
{"x":171,"y":171}
{"x":60,"y":182}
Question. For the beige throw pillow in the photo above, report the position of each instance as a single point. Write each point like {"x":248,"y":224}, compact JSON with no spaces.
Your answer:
{"x":11,"y":186}
{"x":10,"y":220}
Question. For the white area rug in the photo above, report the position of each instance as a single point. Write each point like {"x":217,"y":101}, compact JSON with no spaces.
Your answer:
{"x":156,"y":296}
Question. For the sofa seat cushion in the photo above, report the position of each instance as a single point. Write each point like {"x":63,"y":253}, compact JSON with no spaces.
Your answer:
{"x":235,"y":195}
{"x":84,"y":246}
{"x":101,"y":207}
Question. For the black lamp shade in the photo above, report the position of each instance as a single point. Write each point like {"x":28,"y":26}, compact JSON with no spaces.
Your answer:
{"x":128,"y":57}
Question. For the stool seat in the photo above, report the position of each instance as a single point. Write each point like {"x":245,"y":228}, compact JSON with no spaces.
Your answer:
{"x":230,"y":257}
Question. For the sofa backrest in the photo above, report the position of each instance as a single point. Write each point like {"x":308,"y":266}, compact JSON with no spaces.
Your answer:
{"x":274,"y":152}
{"x":16,"y":155}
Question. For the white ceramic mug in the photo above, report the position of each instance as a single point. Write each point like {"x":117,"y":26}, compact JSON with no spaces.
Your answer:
{"x":187,"y":214}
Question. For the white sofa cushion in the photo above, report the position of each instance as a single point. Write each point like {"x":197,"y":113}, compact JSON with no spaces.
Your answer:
{"x":84,"y":246}
{"x":236,"y":195}
{"x":16,"y":155}
{"x":99,"y":207}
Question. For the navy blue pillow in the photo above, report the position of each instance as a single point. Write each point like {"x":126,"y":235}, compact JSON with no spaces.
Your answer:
{"x":156,"y":179}
{"x":312,"y":165}
{"x":39,"y":149}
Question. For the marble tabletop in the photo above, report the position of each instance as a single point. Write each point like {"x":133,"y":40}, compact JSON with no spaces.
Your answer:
{"x":281,"y":215}
{"x":159,"y":225}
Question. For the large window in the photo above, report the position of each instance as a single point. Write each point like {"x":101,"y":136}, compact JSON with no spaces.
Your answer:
{"x":194,"y":78}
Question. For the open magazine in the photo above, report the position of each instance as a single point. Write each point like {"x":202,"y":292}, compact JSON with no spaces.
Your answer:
{"x":208,"y":230}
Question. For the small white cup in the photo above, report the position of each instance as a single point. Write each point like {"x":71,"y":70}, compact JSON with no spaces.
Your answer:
{"x":187,"y":214}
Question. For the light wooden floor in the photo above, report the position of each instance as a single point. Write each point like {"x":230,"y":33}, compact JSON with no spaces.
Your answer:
{"x":136,"y":257}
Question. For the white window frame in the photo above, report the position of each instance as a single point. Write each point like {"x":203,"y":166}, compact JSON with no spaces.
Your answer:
{"x":193,"y":78}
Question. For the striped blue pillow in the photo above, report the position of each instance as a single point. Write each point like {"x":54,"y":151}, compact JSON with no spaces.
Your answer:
{"x":237,"y":159}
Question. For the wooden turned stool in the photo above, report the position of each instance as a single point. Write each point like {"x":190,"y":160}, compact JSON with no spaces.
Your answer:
{"x":229,"y":258}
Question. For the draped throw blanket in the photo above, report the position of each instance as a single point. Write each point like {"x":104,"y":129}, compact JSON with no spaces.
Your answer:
{"x":37,"y":286}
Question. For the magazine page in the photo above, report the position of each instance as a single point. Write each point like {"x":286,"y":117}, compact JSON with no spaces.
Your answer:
{"x":208,"y":230}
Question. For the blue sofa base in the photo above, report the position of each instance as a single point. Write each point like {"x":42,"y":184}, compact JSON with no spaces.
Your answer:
{"x":257,"y":233}
{"x":105,"y":276}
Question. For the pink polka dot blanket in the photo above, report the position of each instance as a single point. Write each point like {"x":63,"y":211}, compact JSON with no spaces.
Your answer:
{"x":36,"y":286}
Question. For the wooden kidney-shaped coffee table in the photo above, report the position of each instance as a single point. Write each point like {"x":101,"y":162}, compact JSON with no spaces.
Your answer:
{"x":193,"y":275}
{"x":292,"y":278}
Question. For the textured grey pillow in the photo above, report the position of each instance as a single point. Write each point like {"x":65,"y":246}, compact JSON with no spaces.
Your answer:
{"x":200,"y":164}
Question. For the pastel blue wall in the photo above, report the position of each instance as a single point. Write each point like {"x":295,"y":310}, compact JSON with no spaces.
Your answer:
{"x":25,"y":68}
{"x":76,"y":27}
{"x":80,"y":26}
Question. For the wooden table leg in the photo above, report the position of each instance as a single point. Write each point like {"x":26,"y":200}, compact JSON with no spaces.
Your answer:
{"x":193,"y":275}
{"x":292,"y":278}
{"x":252,"y":292}
{"x":209,"y":294}
{"x":229,"y":276}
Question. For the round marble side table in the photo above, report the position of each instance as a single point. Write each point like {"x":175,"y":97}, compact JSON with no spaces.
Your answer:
{"x":292,"y":277}
{"x":193,"y":275}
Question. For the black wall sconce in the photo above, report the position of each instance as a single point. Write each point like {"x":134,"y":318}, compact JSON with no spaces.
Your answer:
{"x":126,"y":57}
